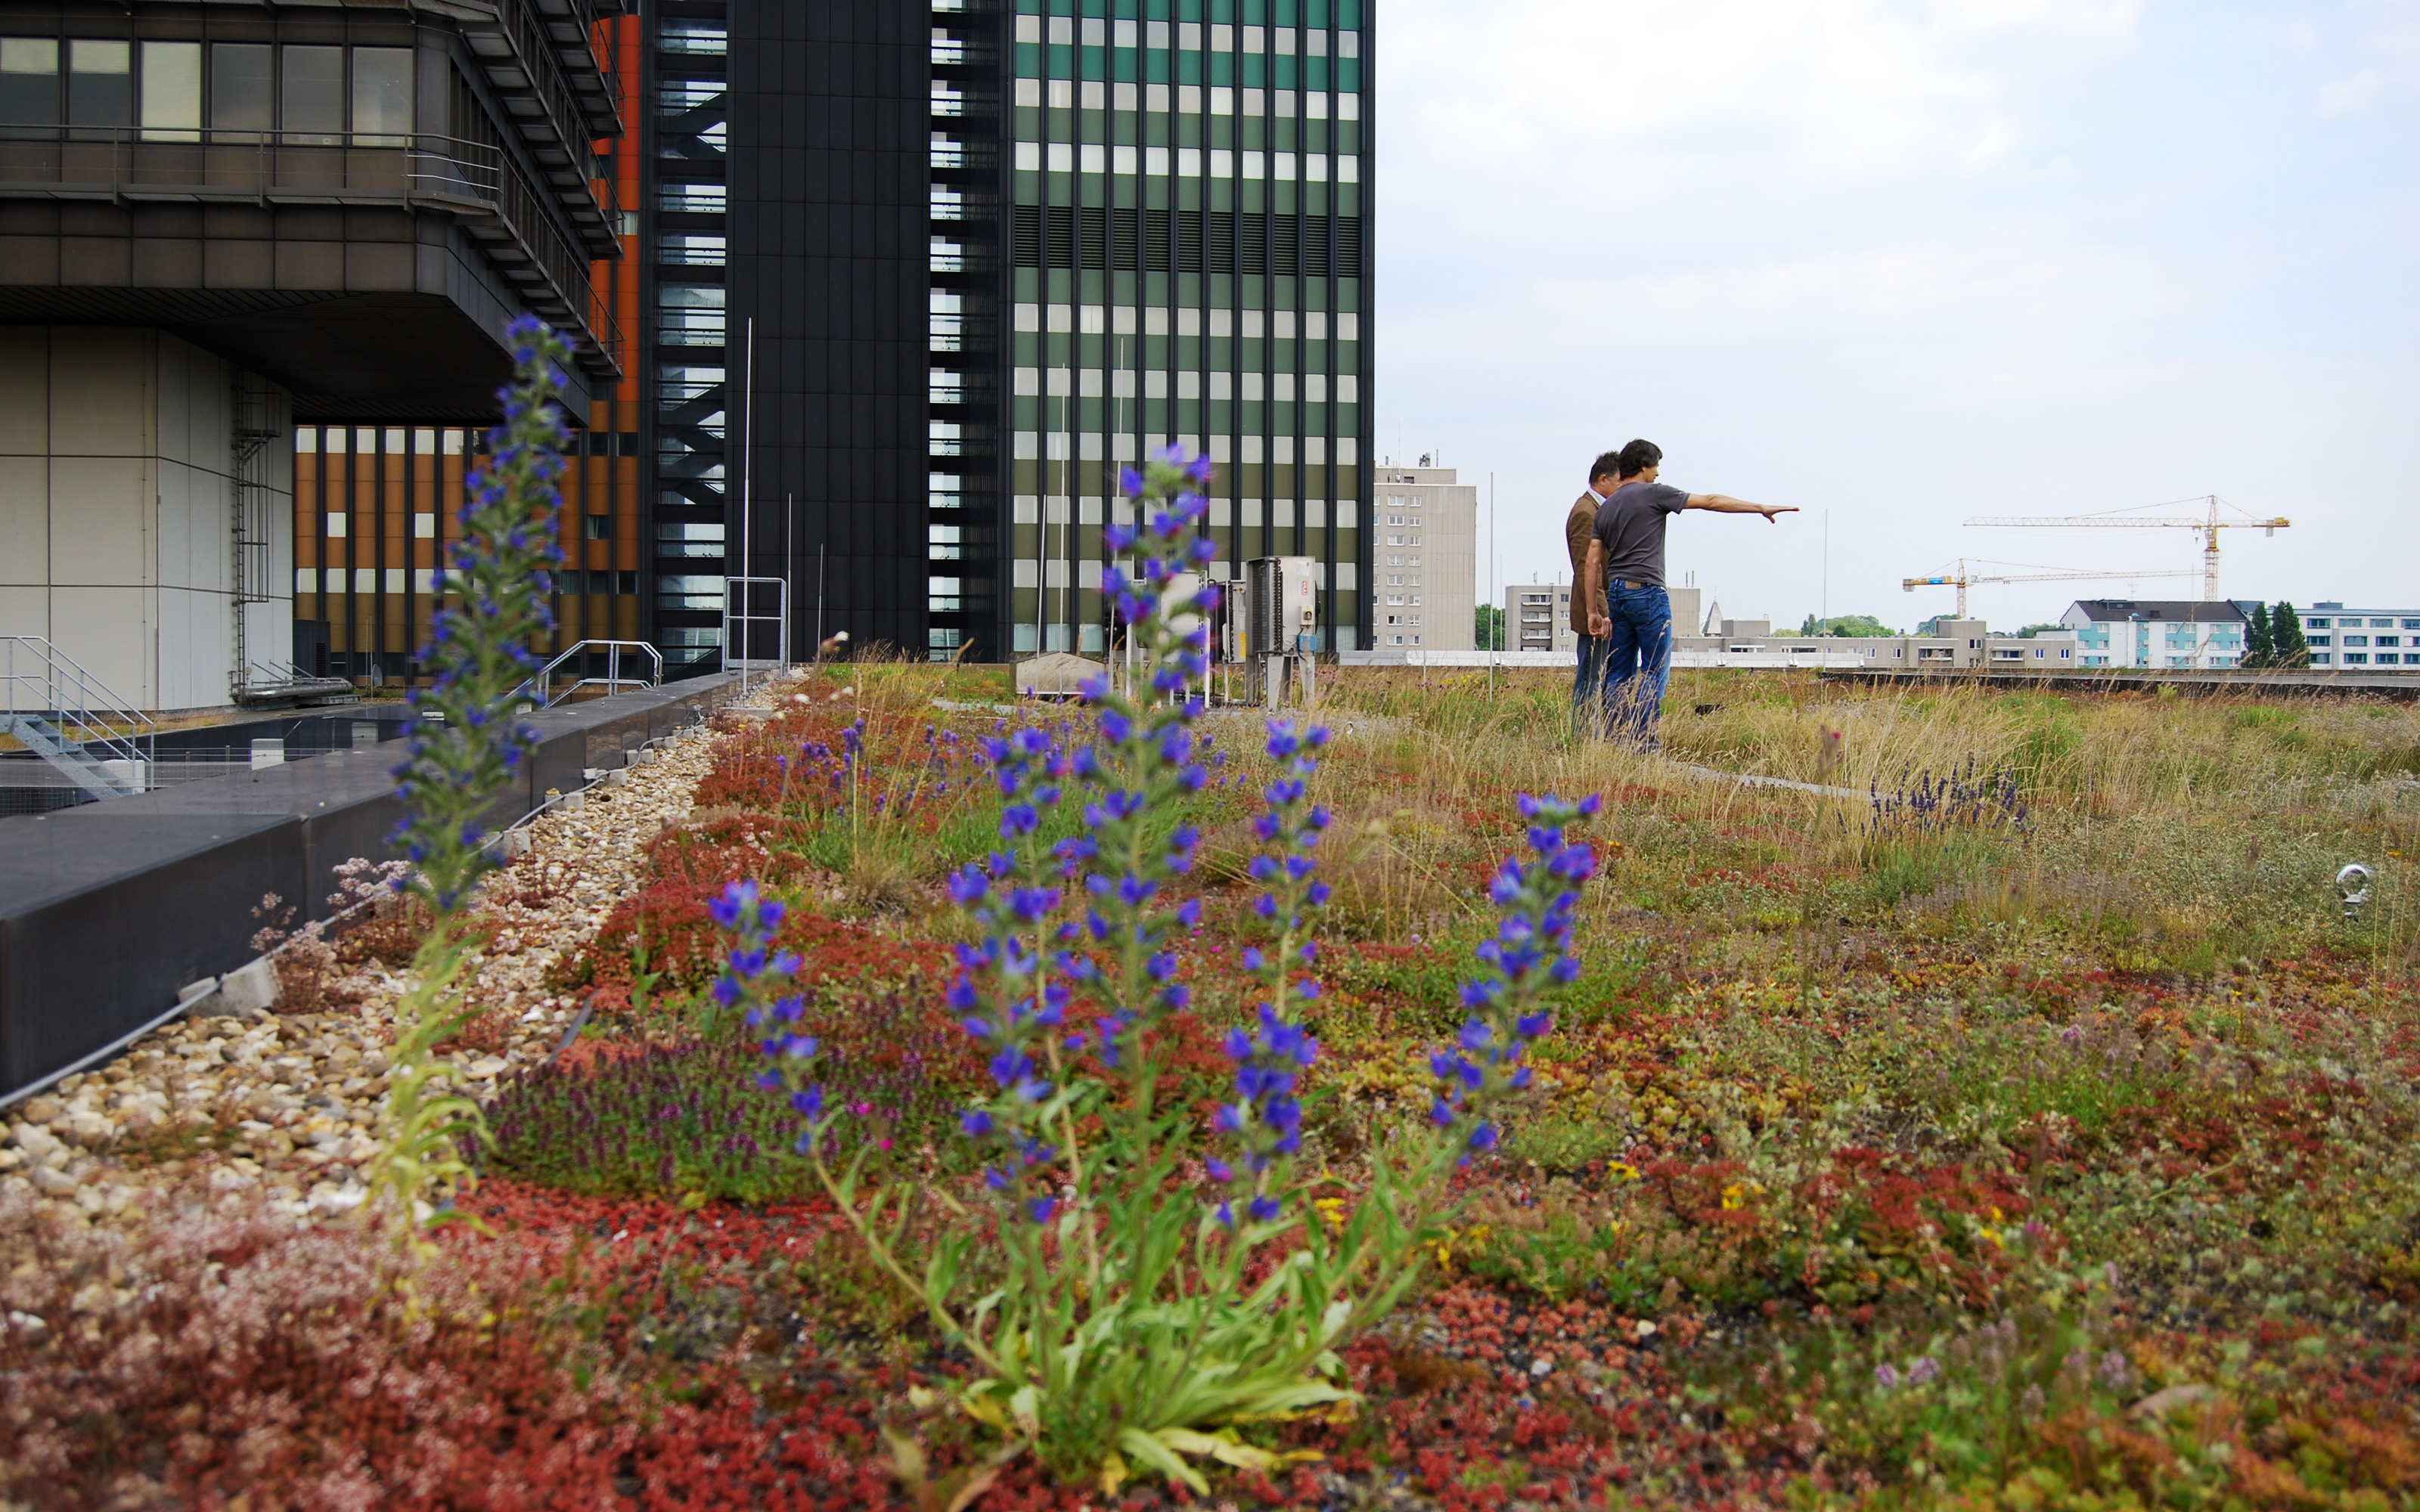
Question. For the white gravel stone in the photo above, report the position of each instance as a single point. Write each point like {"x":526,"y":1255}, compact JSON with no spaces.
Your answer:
{"x":293,"y":1105}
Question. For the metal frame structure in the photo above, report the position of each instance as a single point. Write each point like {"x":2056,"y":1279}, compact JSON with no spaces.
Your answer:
{"x":613,"y":682}
{"x":71,"y":719}
{"x":737,"y":610}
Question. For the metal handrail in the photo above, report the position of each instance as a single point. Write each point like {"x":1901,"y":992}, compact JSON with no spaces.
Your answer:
{"x":613,"y":682}
{"x":78,"y":705}
{"x":210,"y":163}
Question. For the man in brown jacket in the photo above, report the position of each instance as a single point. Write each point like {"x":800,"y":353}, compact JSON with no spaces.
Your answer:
{"x":1579,"y":529}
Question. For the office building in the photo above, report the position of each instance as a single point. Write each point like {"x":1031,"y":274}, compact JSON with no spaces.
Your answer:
{"x":1181,"y":233}
{"x":901,"y":289}
{"x":1425,"y":558}
{"x":1538,"y":617}
{"x":2161,"y":634}
{"x":218,"y":223}
{"x":985,"y":254}
{"x":2367,"y":639}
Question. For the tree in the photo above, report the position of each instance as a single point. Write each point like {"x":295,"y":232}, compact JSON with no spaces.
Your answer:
{"x":1490,"y":627}
{"x":1860,"y":625}
{"x":2286,"y":646}
{"x":2259,"y":646}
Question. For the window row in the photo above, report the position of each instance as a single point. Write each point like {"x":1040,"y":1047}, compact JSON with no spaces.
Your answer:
{"x":1184,"y":36}
{"x":1030,"y":445}
{"x":1185,"y":241}
{"x":1185,"y":162}
{"x":1093,"y":383}
{"x":1155,"y":320}
{"x":1184,"y":99}
{"x":313,"y":94}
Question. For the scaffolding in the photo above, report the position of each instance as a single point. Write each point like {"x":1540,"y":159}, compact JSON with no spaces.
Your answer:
{"x":253,"y":526}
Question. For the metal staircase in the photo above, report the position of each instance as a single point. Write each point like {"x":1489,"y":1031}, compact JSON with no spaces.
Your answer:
{"x":70,"y":719}
{"x":541,"y":685}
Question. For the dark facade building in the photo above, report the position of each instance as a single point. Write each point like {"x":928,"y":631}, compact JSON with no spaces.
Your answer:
{"x":871,"y":300}
{"x":218,"y":220}
{"x":975,"y":258}
{"x":984,"y":254}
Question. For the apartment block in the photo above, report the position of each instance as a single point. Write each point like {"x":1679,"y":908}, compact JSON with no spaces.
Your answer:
{"x":2367,"y":639}
{"x":1425,"y":558}
{"x":2157,"y":634}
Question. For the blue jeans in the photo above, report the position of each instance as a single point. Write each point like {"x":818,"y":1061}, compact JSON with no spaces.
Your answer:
{"x":1587,"y":691}
{"x":1638,"y":663}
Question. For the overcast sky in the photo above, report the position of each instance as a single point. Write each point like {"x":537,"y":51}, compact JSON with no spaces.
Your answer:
{"x":1910,"y":262}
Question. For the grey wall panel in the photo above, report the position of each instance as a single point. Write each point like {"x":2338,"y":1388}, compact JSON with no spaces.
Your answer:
{"x":104,"y":915}
{"x":107,"y":909}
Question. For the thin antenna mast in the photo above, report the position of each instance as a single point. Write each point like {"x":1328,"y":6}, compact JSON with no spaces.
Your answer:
{"x":746,"y":508}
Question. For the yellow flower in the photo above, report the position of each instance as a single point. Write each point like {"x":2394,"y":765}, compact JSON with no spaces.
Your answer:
{"x":1735,"y":1196}
{"x":1622,"y":1168}
{"x":1331,"y":1208}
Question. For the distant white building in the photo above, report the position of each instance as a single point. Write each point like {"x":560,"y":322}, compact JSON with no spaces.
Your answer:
{"x":2161,"y":635}
{"x":2365,"y":638}
{"x":1538,"y":616}
{"x":1424,"y":559}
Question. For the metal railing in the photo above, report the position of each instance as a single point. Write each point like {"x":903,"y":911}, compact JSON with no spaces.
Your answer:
{"x":613,"y":682}
{"x":401,"y":169}
{"x":72,"y":718}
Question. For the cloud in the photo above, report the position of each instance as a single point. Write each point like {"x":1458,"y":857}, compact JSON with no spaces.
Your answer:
{"x":2011,"y":255}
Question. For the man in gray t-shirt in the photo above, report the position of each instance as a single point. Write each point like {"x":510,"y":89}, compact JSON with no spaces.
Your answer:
{"x":1628,"y":607}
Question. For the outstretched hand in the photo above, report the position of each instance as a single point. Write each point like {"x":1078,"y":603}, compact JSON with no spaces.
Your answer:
{"x":1769,"y":511}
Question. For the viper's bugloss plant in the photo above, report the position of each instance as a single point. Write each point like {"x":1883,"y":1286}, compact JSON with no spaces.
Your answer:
{"x":1531,"y":953}
{"x":464,"y":749}
{"x":1139,"y":1322}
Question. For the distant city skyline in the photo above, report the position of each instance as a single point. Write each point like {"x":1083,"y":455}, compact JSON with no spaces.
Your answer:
{"x":1910,"y":265}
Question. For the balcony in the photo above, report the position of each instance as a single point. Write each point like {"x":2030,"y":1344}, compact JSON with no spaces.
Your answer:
{"x":474,"y":182}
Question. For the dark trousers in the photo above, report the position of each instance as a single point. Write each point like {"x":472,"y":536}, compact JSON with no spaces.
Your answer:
{"x":1638,"y":661}
{"x":1587,"y":691}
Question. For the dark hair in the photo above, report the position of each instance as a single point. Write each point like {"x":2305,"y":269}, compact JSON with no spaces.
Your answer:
{"x":1638,"y":456}
{"x":1605,"y":463}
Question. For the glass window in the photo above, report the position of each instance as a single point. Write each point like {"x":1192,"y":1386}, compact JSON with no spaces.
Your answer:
{"x":692,"y":249}
{"x":2316,"y":624}
{"x":29,"y":81}
{"x":680,"y":590}
{"x":697,"y":38}
{"x":312,"y":101}
{"x":690,"y":314}
{"x":2381,"y":624}
{"x":678,"y":383}
{"x":172,"y":91}
{"x":101,"y":82}
{"x":382,"y":113}
{"x":693,"y":199}
{"x":239,"y":88}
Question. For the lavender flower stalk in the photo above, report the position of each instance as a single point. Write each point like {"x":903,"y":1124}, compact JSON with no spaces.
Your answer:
{"x":1265,"y":1123}
{"x":455,"y":765}
{"x":1144,"y":757}
{"x":1530,"y":954}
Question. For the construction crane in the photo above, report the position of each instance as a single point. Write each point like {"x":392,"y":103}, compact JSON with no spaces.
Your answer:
{"x":2208,"y":528}
{"x":1962,"y":578}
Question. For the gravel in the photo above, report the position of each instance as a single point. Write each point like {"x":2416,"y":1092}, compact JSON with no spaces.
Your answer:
{"x":289,"y":1108}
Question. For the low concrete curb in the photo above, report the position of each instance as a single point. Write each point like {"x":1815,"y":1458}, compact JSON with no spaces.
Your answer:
{"x":107,"y":910}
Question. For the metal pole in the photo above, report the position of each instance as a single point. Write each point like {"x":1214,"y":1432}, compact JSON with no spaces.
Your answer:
{"x":788,"y":562}
{"x":1493,"y":638}
{"x":747,"y":506}
{"x":819,"y":600}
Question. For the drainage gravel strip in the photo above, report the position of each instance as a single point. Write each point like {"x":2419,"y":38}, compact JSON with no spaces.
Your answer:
{"x":289,"y":1108}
